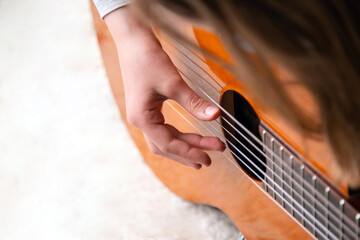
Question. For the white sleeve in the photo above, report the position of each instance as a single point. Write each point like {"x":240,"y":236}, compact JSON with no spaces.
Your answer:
{"x":106,"y":6}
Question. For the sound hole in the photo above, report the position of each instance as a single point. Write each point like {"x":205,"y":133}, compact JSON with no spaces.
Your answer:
{"x":245,"y":149}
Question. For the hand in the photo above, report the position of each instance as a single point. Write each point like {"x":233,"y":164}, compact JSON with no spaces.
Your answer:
{"x":149,"y":79}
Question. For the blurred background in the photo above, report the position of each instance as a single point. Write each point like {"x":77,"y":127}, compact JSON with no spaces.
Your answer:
{"x":68,"y":168}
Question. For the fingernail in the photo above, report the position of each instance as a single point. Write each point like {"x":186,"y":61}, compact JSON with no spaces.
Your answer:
{"x":211,"y":110}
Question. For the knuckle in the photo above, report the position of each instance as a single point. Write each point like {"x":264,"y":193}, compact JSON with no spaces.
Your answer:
{"x":182,"y":150}
{"x":133,"y":118}
{"x":172,"y":88}
{"x":165,"y":149}
{"x":155,"y":150}
{"x":171,"y":147}
{"x":152,"y":147}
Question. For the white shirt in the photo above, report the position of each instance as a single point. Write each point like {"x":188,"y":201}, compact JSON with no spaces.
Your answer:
{"x":106,"y":6}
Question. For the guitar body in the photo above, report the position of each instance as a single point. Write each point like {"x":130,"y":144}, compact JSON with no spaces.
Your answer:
{"x":225,"y":184}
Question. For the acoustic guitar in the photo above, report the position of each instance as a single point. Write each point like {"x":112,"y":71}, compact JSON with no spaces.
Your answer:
{"x":262,"y":181}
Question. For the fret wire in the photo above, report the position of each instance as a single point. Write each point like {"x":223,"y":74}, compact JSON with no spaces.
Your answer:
{"x":272,"y":181}
{"x":357,"y":220}
{"x":265,"y":141}
{"x":256,"y":139}
{"x":314,"y":196}
{"x":272,"y":141}
{"x":327,"y":192}
{"x":291,"y":181}
{"x":302,"y":187}
{"x":281,"y":174}
{"x":341,"y":205}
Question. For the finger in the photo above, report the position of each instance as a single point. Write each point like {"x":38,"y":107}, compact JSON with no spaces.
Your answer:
{"x":184,"y":150}
{"x":198,"y":141}
{"x":192,"y":102}
{"x":204,"y":143}
{"x":154,"y":149}
{"x":164,"y":137}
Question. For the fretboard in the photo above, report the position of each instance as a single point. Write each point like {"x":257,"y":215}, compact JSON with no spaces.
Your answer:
{"x":305,"y":194}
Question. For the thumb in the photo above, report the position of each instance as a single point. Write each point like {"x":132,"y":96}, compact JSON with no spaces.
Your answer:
{"x":195,"y":105}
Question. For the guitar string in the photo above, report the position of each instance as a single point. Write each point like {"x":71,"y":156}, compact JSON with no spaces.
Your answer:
{"x":282,"y":191}
{"x":331,"y":204}
{"x":316,"y":193}
{"x":282,"y":181}
{"x":292,"y":180}
{"x":269,"y":150}
{"x":313,"y":208}
{"x":303,"y":210}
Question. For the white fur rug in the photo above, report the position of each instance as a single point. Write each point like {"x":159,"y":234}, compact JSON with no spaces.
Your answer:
{"x":68,"y":168}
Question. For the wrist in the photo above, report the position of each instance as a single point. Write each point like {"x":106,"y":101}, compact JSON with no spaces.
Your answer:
{"x":128,"y":31}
